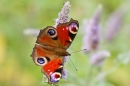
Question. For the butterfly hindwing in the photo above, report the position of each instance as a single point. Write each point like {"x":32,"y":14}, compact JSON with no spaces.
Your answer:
{"x":52,"y":65}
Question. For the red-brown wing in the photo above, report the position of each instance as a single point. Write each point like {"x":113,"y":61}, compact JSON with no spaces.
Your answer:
{"x":67,"y":32}
{"x":53,"y":70}
{"x":61,"y":36}
{"x":48,"y":36}
{"x":52,"y":65}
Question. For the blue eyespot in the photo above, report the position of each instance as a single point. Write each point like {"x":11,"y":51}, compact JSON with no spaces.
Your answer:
{"x":51,"y":32}
{"x":40,"y":60}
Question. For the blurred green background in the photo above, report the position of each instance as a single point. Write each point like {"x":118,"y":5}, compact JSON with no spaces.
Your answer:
{"x":16,"y":65}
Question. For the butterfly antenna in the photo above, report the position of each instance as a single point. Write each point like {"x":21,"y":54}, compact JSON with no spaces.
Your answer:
{"x":79,"y":51}
{"x":73,"y":64}
{"x":71,"y":60}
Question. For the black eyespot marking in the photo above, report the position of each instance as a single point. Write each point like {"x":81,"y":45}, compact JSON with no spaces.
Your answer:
{"x":51,"y":32}
{"x":68,"y":41}
{"x":48,"y":59}
{"x":59,"y":70}
{"x":55,"y":38}
{"x":40,"y":60}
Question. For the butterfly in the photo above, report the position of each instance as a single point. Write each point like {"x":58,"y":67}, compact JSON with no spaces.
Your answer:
{"x":50,"y":48}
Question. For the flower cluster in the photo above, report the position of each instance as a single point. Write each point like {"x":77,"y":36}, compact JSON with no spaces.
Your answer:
{"x":63,"y":15}
{"x":91,"y":37}
{"x":114,"y":23}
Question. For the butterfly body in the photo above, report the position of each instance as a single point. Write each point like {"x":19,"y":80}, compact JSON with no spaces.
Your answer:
{"x":50,"y":49}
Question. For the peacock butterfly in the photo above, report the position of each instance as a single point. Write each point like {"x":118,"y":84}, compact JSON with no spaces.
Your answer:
{"x":50,"y":49}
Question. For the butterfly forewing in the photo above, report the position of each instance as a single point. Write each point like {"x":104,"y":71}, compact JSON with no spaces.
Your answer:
{"x":67,"y":32}
{"x":48,"y":36}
